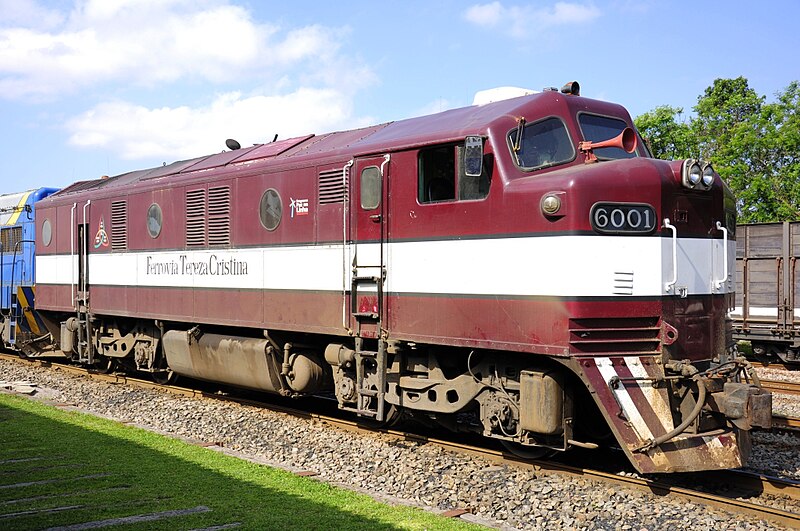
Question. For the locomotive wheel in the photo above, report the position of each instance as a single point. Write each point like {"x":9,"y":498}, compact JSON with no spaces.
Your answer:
{"x":528,"y":452}
{"x":760,"y":353}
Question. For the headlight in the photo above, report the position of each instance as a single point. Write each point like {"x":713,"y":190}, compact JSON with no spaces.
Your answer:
{"x":708,"y":176}
{"x":695,"y":174}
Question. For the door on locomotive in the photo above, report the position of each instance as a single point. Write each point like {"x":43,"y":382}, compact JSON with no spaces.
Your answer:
{"x":368,"y":211}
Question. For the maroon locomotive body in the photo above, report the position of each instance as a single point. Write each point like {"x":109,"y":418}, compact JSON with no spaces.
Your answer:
{"x":522,"y":269}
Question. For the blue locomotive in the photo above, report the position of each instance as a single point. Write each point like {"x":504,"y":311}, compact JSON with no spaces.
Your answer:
{"x":18,"y":319}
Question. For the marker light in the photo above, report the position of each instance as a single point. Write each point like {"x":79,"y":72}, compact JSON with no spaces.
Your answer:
{"x":551,"y":204}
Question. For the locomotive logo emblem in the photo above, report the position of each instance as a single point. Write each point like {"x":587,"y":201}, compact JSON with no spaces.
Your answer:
{"x":298,"y":207}
{"x":101,"y":238}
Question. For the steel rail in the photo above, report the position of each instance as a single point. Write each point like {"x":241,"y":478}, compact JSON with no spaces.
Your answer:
{"x":749,"y":482}
{"x":785,"y":423}
{"x":777,"y":386}
{"x":773,"y":366}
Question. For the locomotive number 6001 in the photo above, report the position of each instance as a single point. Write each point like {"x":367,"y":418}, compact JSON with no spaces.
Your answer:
{"x":615,"y":218}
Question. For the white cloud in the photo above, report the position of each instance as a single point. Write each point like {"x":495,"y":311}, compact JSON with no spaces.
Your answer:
{"x":150,"y":42}
{"x":525,"y":22}
{"x":288,"y":80}
{"x":175,"y":133}
{"x":485,"y":14}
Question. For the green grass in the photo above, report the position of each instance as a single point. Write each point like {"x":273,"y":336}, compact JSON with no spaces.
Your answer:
{"x":745,"y":347}
{"x":79,"y":468}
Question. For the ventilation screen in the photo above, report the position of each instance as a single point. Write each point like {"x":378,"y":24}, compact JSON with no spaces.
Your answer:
{"x":219,"y":215}
{"x":10,"y":238}
{"x":119,"y":225}
{"x":195,"y":218}
{"x":332,"y":187}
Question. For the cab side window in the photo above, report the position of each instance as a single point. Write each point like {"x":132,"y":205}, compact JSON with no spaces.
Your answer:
{"x":437,"y":175}
{"x":442,"y":176}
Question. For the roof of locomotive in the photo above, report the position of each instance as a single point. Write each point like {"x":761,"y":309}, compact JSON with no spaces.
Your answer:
{"x":446,"y":126}
{"x":14,"y":203}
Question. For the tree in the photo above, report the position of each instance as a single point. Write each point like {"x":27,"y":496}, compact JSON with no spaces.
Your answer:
{"x":753,"y":145}
{"x":666,"y":134}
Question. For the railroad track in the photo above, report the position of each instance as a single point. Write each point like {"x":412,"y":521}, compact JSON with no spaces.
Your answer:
{"x":775,"y":386}
{"x":785,"y":423}
{"x":773,"y":366}
{"x":748,"y":484}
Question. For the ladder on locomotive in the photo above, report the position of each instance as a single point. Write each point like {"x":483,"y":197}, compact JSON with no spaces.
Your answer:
{"x":12,"y":318}
{"x":15,"y":312}
{"x":369,"y":402}
{"x":84,"y":345}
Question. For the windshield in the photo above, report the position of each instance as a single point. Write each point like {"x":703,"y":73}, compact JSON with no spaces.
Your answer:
{"x":544,"y":143}
{"x":598,"y":128}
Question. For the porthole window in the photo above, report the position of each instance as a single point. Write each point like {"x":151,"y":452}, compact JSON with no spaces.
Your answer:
{"x":47,"y":232}
{"x":270,"y":209}
{"x":154,"y":220}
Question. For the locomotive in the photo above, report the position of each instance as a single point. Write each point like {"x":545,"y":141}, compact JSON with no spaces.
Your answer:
{"x":17,"y":294}
{"x":521,"y":269}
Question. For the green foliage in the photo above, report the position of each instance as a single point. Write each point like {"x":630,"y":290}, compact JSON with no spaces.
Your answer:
{"x":668,"y":136}
{"x":753,"y":144}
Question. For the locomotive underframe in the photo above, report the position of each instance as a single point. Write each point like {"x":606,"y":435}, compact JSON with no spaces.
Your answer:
{"x":522,"y":399}
{"x":515,"y":399}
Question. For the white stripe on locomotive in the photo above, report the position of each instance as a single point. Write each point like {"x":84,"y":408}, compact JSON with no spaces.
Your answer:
{"x":558,"y":266}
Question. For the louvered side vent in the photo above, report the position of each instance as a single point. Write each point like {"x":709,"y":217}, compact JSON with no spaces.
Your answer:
{"x":195,"y":218}
{"x":332,"y":189}
{"x":615,"y":336}
{"x":10,"y":238}
{"x":219,"y":216}
{"x":119,"y":225}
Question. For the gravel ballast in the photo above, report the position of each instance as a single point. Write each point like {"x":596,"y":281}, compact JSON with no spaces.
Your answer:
{"x":501,"y":496}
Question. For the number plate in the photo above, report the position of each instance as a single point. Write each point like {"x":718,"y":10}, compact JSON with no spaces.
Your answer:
{"x":623,"y":218}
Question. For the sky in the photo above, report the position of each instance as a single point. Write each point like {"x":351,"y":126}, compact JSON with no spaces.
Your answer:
{"x":103,"y":87}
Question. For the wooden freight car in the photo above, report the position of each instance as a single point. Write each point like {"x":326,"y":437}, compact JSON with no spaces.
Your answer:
{"x":767,"y":310}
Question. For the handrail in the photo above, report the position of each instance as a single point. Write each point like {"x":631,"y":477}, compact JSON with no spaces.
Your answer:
{"x":386,"y":158}
{"x":671,"y":284}
{"x":72,"y":279}
{"x":345,"y":211}
{"x":2,"y":268}
{"x":85,"y":243}
{"x":719,"y":282}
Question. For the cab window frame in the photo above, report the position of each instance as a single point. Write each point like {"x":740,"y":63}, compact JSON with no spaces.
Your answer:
{"x":439,"y":188}
{"x":573,"y":152}
{"x":601,"y":153}
{"x":371,"y":188}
